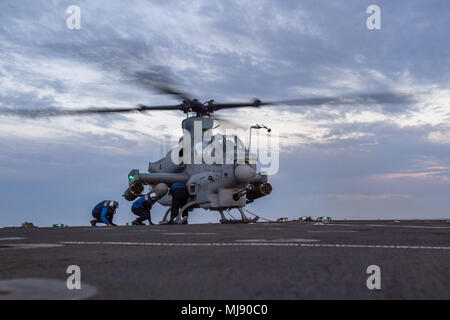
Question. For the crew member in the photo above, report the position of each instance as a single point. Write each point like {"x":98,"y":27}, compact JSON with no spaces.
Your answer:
{"x":141,"y":207}
{"x":179,"y":199}
{"x":104,"y":212}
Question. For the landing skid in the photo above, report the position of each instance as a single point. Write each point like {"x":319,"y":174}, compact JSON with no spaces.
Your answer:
{"x":243,"y":219}
{"x":224,"y":220}
{"x":179,"y":219}
{"x":232,"y":221}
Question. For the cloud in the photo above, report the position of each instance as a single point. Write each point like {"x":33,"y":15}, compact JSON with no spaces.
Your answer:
{"x":432,"y":174}
{"x":396,"y":153}
{"x":440,"y":136}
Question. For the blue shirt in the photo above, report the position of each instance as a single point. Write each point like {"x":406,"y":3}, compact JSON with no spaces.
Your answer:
{"x":178,"y":185}
{"x":103,"y":209}
{"x":142,"y":202}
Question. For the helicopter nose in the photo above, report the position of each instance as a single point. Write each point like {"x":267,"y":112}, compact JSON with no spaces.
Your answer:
{"x":244,"y":172}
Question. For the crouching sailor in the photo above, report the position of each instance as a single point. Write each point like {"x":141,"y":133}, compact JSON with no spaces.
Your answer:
{"x":141,"y":207}
{"x":104,"y":213}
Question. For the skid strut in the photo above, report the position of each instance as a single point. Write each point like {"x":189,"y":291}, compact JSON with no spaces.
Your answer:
{"x":243,"y":219}
{"x":165,"y":218}
{"x":179,"y":219}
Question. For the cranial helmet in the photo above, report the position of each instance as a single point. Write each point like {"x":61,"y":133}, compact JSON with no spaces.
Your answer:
{"x":114,"y":204}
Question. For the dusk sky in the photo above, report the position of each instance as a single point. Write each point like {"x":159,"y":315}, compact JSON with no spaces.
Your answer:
{"x":348,"y":162}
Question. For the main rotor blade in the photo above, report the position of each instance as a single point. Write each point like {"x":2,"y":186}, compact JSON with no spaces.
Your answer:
{"x":44,"y":113}
{"x":374,"y":98}
{"x":130,"y":59}
{"x":217,"y":106}
{"x":160,"y":83}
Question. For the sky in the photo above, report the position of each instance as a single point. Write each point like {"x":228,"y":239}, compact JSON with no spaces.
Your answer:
{"x":348,"y":162}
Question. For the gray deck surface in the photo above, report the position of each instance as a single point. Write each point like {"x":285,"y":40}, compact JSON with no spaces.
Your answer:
{"x":255,"y":261}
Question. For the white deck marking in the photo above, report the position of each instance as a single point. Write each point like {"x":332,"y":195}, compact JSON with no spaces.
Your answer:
{"x":277,"y":240}
{"x":205,"y":233}
{"x":11,"y":238}
{"x":328,"y":231}
{"x":249,"y":244}
{"x":295,"y":240}
{"x":189,"y":233}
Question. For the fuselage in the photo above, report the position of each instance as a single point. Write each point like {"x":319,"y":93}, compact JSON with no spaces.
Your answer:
{"x":215,"y":168}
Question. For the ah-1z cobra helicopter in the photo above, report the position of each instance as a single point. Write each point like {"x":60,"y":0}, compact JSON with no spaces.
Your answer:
{"x":219,"y":186}
{"x":229,"y":183}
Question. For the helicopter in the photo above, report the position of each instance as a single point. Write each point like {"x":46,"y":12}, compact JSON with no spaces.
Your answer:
{"x":229,"y":182}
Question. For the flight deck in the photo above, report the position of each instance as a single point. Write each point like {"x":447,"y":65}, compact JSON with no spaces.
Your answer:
{"x":290,"y":260}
